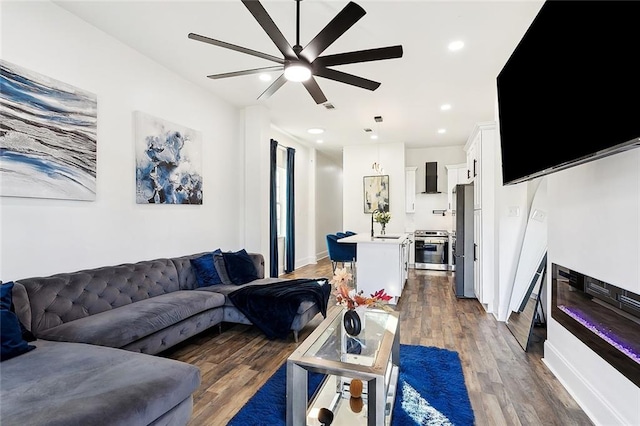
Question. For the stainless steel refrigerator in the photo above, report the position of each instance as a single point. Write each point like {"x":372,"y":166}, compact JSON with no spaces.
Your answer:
{"x":463,"y":251}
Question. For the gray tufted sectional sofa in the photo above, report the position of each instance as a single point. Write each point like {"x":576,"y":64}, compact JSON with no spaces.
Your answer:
{"x":79,"y":373}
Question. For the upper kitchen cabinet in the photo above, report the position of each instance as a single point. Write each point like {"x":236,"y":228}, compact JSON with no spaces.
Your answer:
{"x":472,"y":156}
{"x":456,"y":173}
{"x":480,"y":149}
{"x":410,"y":189}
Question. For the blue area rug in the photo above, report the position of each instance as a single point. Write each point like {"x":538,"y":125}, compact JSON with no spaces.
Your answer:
{"x":431,"y":391}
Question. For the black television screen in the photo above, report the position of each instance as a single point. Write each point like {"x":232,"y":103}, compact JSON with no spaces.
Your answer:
{"x":570,"y":92}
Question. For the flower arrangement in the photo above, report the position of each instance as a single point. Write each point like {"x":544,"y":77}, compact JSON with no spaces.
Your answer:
{"x":382,"y":217}
{"x":351,"y":299}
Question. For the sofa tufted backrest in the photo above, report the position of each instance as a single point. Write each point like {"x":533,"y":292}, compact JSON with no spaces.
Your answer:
{"x":186,"y":274}
{"x":61,"y":298}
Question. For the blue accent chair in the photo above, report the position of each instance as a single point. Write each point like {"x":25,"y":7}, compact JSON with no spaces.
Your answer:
{"x":340,"y":252}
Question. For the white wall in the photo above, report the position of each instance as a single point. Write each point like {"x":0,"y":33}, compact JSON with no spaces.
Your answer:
{"x":594,"y":228}
{"x":254,"y":185}
{"x":511,"y":232}
{"x":357,"y":161}
{"x":305,"y":198}
{"x":328,"y":201}
{"x":41,"y":236}
{"x":424,"y":218}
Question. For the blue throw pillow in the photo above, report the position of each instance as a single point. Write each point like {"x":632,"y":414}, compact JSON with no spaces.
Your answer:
{"x":240,"y":267}
{"x":10,"y":333}
{"x":205,"y":269}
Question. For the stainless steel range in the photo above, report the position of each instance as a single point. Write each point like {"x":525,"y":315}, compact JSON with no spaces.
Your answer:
{"x":432,"y":250}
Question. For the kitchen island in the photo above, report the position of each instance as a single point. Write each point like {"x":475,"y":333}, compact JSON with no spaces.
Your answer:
{"x":383,"y":263}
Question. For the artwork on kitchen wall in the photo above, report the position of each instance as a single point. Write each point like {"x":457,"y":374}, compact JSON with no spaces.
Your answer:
{"x":376,"y":193}
{"x":48,"y":139}
{"x":168,"y":162}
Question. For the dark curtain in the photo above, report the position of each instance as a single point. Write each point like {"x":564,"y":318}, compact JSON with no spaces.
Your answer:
{"x":290,"y":240}
{"x":273,"y":214}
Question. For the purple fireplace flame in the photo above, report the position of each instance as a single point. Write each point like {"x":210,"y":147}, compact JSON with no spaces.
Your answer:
{"x":601,"y":331}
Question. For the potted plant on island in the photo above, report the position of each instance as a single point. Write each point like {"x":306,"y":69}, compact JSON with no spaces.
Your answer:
{"x":382,"y":218}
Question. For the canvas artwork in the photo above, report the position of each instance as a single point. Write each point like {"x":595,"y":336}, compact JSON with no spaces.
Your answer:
{"x":168,"y":162}
{"x":47,"y":137}
{"x":376,"y":193}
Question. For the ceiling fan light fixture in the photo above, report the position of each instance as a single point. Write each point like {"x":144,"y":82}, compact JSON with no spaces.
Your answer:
{"x":297,"y":71}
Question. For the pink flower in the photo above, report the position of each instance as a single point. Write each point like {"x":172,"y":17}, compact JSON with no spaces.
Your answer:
{"x":381,"y":295}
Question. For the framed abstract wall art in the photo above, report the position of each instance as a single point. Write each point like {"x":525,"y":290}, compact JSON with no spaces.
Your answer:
{"x":48,"y":139}
{"x":168,"y":162}
{"x":376,"y":193}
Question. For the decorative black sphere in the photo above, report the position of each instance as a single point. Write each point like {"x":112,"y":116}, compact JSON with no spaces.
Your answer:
{"x":325,"y":416}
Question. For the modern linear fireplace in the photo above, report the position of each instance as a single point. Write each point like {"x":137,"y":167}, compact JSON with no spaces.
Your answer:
{"x":604,"y":317}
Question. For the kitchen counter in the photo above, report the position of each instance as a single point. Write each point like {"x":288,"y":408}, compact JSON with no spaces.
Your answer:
{"x":382,"y":263}
{"x":378,"y":239}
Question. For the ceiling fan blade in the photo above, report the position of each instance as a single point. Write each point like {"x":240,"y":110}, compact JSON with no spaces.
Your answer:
{"x":334,"y":29}
{"x":343,"y":77}
{"x":273,"y":87}
{"x":245,"y":72}
{"x":241,"y":49}
{"x":267,"y":24}
{"x":314,"y":90}
{"x":391,"y":52}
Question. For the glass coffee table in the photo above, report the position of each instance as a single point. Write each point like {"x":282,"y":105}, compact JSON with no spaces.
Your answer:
{"x":372,"y":356}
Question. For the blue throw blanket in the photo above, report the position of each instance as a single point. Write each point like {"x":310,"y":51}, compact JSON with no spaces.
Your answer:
{"x":272,"y":307}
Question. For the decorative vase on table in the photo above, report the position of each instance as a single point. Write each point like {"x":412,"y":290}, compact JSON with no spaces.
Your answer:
{"x":383,"y":230}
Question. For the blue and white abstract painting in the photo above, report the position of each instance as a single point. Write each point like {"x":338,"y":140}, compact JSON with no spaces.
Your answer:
{"x":168,"y":162}
{"x":47,"y":137}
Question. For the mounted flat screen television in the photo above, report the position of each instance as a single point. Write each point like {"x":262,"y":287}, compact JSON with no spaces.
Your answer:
{"x":570,"y":92}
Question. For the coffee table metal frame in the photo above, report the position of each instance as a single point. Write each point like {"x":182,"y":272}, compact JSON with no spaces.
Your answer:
{"x":385,"y":364}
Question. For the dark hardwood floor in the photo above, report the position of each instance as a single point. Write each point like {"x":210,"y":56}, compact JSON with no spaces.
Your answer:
{"x":506,"y":385}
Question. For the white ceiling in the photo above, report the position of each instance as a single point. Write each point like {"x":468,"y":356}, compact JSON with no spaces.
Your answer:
{"x":413,"y":87}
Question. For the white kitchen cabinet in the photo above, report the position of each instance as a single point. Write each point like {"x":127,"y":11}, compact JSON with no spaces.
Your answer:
{"x":472,"y":161}
{"x":383,"y":263}
{"x":483,"y":169}
{"x":406,"y":255}
{"x":474,"y":152}
{"x":455,"y":174}
{"x":412,"y":251}
{"x":410,"y":189}
{"x":477,"y":255}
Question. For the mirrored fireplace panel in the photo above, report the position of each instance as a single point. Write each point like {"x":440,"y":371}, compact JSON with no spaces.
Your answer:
{"x":604,"y":317}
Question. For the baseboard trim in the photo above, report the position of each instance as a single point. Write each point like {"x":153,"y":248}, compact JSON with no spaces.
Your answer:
{"x":304,"y":262}
{"x":597,"y":408}
{"x":322,"y":255}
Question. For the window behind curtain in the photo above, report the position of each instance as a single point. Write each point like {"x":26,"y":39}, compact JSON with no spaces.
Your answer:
{"x":281,"y":192}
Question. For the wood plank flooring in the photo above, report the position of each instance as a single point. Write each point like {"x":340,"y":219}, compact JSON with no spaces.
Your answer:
{"x":506,"y":385}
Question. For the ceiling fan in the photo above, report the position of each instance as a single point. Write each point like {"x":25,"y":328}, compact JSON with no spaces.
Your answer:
{"x":303,"y":63}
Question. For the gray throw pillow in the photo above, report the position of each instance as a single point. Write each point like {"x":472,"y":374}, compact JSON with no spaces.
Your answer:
{"x":221,"y":268}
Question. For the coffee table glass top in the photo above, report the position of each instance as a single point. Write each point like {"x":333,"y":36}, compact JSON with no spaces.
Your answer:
{"x":333,"y":344}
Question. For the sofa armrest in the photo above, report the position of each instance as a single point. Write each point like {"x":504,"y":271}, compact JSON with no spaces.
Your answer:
{"x":258,"y":261}
{"x":21,"y":304}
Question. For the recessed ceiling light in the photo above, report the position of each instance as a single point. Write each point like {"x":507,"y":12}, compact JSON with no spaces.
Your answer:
{"x":441,"y":131}
{"x":445,"y":107}
{"x":374,"y":136}
{"x":319,"y":141}
{"x":456,"y":45}
{"x":316,"y":131}
{"x":265,"y":77}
